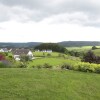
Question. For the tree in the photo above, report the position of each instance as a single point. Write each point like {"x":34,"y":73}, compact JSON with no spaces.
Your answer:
{"x":94,"y":47}
{"x":24,"y":59}
{"x":90,"y":57}
{"x":51,"y":46}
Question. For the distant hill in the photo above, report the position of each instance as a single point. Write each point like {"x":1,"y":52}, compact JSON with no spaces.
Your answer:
{"x":64,"y":43}
{"x":19,"y":45}
{"x":79,"y":43}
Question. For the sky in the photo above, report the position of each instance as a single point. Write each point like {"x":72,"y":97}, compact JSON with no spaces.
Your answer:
{"x":49,"y":20}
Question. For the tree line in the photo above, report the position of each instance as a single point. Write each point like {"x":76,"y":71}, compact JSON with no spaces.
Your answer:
{"x":51,"y":46}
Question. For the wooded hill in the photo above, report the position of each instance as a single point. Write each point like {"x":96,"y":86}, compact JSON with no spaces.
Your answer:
{"x":79,"y":43}
{"x":64,"y":43}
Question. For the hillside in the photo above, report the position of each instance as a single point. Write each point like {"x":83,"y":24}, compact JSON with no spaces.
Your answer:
{"x":31,"y":84}
{"x":79,"y":43}
{"x":18,"y":45}
{"x":64,"y":43}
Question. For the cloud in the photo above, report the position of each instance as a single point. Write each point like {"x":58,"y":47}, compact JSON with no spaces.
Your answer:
{"x":44,"y":32}
{"x":83,"y":12}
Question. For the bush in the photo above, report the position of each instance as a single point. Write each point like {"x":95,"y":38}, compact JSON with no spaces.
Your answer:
{"x":4,"y":65}
{"x":22,"y":65}
{"x":46,"y":65}
{"x":48,"y":54}
{"x":66,"y":66}
{"x":33,"y":66}
{"x":39,"y":66}
{"x":84,"y":69}
{"x":97,"y":70}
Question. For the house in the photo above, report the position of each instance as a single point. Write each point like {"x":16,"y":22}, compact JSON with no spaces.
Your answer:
{"x":18,"y":52}
{"x":37,"y":50}
{"x":3,"y":50}
{"x":49,"y":51}
{"x":44,"y":50}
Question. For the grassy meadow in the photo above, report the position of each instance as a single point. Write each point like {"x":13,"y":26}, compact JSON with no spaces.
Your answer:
{"x":96,"y":52}
{"x":54,"y":59}
{"x":34,"y":84}
{"x":79,"y":49}
{"x":55,"y":83}
{"x":50,"y":61}
{"x":46,"y":54}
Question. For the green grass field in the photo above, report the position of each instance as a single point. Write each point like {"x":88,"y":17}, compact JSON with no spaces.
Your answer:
{"x":96,"y":52}
{"x":52,"y":61}
{"x":79,"y":49}
{"x":33,"y":84}
{"x":41,"y":54}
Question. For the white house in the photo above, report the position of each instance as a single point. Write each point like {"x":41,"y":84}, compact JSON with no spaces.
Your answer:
{"x":49,"y":51}
{"x":4,"y":50}
{"x":18,"y":52}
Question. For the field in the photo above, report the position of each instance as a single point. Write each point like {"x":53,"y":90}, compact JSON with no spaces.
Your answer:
{"x":50,"y":61}
{"x":34,"y":84}
{"x":45,"y":54}
{"x":79,"y":49}
{"x":97,"y":52}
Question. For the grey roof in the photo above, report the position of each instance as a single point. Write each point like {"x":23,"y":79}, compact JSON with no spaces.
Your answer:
{"x":20,"y":51}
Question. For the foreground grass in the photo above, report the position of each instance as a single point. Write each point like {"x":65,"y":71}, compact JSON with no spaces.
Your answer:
{"x":33,"y":84}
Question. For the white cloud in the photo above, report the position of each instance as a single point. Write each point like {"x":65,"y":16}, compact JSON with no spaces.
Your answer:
{"x":49,"y":20}
{"x":44,"y":32}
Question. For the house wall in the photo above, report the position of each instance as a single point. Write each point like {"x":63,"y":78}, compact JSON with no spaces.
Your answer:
{"x":30,"y":54}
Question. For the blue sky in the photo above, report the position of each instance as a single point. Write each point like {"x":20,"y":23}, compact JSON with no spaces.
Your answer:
{"x":49,"y":20}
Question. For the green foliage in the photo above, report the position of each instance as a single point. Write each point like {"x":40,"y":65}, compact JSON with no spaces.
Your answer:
{"x":22,"y":65}
{"x":24,"y":58}
{"x":52,"y":46}
{"x":66,"y":66}
{"x":39,"y":66}
{"x":46,"y":65}
{"x":89,"y":57}
{"x":48,"y":54}
{"x":97,"y":69}
{"x":2,"y":65}
{"x":94,"y":47}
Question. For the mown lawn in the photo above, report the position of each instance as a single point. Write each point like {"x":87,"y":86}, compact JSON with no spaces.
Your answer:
{"x":42,"y":84}
{"x":52,"y":61}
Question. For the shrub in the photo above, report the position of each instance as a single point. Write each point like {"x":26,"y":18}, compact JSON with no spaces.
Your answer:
{"x":85,"y":67}
{"x":48,"y":54}
{"x":46,"y":65}
{"x":33,"y":66}
{"x":66,"y":66}
{"x":22,"y":65}
{"x":39,"y":66}
{"x":2,"y":65}
{"x":97,"y":70}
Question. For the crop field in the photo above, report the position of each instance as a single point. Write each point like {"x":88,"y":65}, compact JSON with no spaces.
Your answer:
{"x":34,"y":84}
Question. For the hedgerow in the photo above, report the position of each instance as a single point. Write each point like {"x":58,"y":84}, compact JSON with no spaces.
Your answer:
{"x":82,"y":66}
